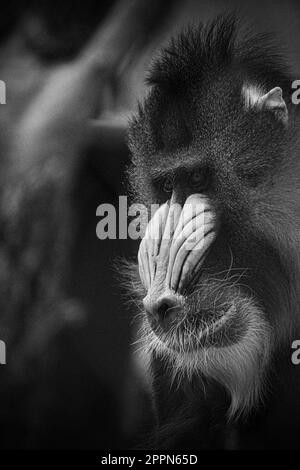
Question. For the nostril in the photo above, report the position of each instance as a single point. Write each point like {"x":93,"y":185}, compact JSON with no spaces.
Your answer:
{"x":162,"y":310}
{"x":165,"y":310}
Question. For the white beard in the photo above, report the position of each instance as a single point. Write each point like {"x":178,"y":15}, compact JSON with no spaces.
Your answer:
{"x":239,"y":367}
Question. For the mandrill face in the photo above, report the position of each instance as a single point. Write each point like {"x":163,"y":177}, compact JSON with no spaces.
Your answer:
{"x":199,"y":313}
{"x":208,"y":301}
{"x":215,"y":263}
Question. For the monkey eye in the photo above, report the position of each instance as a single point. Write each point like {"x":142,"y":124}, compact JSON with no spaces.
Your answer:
{"x":198,"y":179}
{"x":168,"y":185}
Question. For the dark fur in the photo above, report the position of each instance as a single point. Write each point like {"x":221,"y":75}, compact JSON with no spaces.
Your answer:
{"x":194,"y":116}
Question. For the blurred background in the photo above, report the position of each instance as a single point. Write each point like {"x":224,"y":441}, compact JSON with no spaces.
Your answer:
{"x":74,"y":72}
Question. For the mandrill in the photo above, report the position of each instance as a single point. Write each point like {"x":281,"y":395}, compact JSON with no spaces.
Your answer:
{"x":216,"y":146}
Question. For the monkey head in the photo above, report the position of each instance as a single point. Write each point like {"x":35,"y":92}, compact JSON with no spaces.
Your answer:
{"x":214,"y":146}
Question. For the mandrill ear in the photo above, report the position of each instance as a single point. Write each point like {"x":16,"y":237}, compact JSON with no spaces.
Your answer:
{"x":271,"y":101}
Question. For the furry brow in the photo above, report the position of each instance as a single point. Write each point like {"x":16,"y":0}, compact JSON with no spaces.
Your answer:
{"x":199,"y":50}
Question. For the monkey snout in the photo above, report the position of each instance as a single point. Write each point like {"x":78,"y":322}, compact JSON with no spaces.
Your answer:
{"x":176,"y":243}
{"x":164,"y":311}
